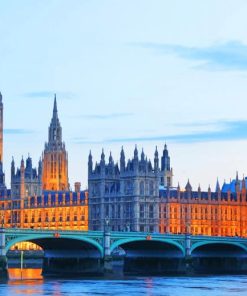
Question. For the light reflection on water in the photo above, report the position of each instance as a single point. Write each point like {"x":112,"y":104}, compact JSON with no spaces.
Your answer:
{"x":34,"y":284}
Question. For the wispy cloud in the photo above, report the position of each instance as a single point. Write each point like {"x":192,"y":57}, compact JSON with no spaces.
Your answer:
{"x":16,"y":131}
{"x":106,"y":116}
{"x":226,"y":56}
{"x":224,"y":131}
{"x":48,"y":94}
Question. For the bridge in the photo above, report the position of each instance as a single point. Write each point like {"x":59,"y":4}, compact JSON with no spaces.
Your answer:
{"x":96,"y":252}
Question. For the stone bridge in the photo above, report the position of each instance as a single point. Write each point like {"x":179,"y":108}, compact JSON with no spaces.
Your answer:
{"x":97,"y":252}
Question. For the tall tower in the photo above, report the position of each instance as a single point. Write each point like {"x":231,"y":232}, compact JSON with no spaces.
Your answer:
{"x":55,"y":157}
{"x":1,"y":128}
{"x":166,"y":170}
{"x":2,"y":175}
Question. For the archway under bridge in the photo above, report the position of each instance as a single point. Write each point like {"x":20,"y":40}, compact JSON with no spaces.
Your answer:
{"x":65,"y":255}
{"x":151,"y":256}
{"x":219,"y":257}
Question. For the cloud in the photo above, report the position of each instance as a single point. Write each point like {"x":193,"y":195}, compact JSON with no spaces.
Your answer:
{"x":107,"y":116}
{"x":224,"y":131}
{"x":16,"y":131}
{"x":226,"y":56}
{"x":48,"y":95}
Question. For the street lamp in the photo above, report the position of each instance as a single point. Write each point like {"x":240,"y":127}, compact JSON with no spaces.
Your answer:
{"x":107,"y":223}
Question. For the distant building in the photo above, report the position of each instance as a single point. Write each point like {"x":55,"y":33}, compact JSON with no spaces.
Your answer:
{"x":55,"y":157}
{"x":127,"y":196}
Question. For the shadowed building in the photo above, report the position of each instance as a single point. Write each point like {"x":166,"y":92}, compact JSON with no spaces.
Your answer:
{"x":127,"y":196}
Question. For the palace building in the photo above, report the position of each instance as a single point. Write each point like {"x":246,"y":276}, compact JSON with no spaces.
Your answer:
{"x":127,"y":195}
{"x":219,"y":213}
{"x":134,"y":195}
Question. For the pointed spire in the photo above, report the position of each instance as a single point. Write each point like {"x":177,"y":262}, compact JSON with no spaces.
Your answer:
{"x":12,"y":167}
{"x":142,"y":155}
{"x":110,"y":158}
{"x":178,"y":188}
{"x":209,"y":188}
{"x":237,"y":176}
{"x":102,"y":155}
{"x":188,"y":187}
{"x":156,"y":153}
{"x":217,"y":188}
{"x":55,"y":105}
{"x":1,"y":97}
{"x":135,"y":152}
{"x":243,"y":183}
{"x":199,"y":188}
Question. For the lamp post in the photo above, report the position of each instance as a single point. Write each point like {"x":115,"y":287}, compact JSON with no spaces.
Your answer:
{"x":107,"y":236}
{"x":107,"y":247}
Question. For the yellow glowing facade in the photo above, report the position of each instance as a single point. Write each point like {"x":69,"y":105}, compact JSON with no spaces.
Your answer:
{"x":55,"y":158}
{"x":204,"y":213}
{"x":52,"y":210}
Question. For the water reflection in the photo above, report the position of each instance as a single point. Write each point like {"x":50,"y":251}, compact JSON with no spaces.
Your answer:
{"x":25,"y":274}
{"x":34,"y":284}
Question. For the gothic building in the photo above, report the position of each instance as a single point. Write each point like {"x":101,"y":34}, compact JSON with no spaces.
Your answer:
{"x":55,"y":157}
{"x":26,"y":180}
{"x":219,"y":213}
{"x":127,"y":196}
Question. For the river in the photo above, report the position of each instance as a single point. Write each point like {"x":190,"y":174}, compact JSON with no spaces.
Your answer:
{"x":33,"y":284}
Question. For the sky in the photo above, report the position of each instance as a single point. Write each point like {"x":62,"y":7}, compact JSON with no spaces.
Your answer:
{"x":126,"y":73}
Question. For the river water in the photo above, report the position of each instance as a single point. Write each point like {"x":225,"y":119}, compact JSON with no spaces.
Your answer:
{"x":32,"y":283}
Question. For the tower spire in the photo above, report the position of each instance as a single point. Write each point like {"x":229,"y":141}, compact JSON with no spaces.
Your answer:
{"x":55,"y":107}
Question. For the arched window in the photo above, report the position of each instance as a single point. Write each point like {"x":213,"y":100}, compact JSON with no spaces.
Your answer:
{"x":141,"y":188}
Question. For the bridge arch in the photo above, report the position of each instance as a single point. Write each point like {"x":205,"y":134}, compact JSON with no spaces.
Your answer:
{"x":121,"y":242}
{"x":38,"y":237}
{"x":210,"y":243}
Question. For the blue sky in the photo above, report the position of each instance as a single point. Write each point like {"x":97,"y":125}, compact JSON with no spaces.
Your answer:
{"x":125,"y":73}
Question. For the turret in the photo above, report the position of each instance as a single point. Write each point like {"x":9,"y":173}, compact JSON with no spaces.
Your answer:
{"x":142,"y":156}
{"x":136,"y":153}
{"x":156,"y":160}
{"x":90,"y":163}
{"x":102,"y":161}
{"x":243,"y":183}
{"x":237,"y":183}
{"x":165,"y":160}
{"x":40,"y":169}
{"x":188,"y":187}
{"x":22,"y":183}
{"x":217,"y":187}
{"x":111,"y":159}
{"x":12,"y":168}
{"x":122,"y":160}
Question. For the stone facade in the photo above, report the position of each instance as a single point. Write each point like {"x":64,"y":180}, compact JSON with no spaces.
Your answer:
{"x":26,"y":180}
{"x":126,"y":198}
{"x":219,"y":213}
